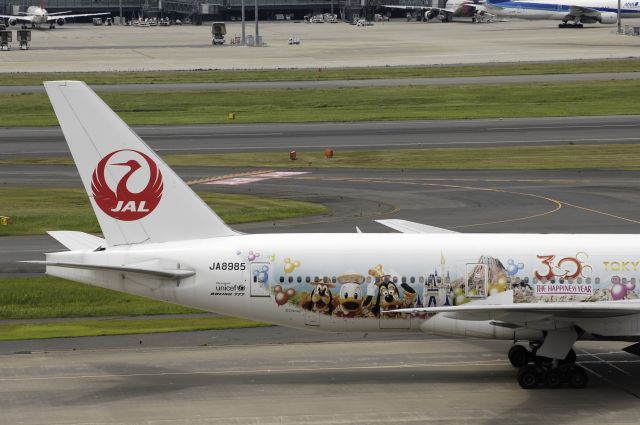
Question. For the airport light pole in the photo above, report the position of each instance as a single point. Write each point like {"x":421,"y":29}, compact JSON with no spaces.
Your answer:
{"x":244,"y":39}
{"x":619,"y":21}
{"x":256,"y":7}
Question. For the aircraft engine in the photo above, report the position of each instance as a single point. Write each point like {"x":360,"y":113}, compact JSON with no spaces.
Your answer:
{"x":608,"y":18}
{"x":12,"y":22}
{"x":431,"y":14}
{"x":60,"y":22}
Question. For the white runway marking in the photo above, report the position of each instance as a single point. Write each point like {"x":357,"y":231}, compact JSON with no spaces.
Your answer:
{"x":234,"y":181}
{"x":322,"y":369}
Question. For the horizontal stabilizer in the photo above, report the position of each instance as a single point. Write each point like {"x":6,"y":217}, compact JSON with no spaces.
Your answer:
{"x":405,"y":226}
{"x":77,"y":241}
{"x":137,"y":269}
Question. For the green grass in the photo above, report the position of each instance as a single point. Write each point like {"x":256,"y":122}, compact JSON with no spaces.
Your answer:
{"x":557,"y":157}
{"x":120,"y":327}
{"x":349,"y":104}
{"x":51,"y":297}
{"x":157,"y":77}
{"x":34,"y":211}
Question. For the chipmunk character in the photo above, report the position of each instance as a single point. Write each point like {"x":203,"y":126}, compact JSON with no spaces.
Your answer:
{"x":389,"y":298}
{"x":350,"y":298}
{"x":321,"y":299}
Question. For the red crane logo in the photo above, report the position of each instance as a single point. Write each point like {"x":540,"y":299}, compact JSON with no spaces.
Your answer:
{"x":123,"y":204}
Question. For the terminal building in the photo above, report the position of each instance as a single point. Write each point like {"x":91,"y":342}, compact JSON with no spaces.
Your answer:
{"x":198,"y":10}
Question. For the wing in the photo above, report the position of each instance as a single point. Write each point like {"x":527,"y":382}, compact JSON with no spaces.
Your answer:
{"x":499,"y":308}
{"x":84,"y":15}
{"x":19,"y":18}
{"x":393,"y":6}
{"x":577,"y":11}
{"x":405,"y":226}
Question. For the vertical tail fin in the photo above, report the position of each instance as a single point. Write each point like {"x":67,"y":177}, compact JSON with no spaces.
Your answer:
{"x":135,"y":195}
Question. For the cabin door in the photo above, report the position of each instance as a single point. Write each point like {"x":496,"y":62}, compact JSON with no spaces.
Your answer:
{"x":260,"y":274}
{"x":477,"y":280}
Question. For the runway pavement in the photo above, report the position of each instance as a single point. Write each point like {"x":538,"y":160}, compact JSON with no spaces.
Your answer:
{"x":324,"y":84}
{"x":351,"y":380}
{"x":48,"y":142}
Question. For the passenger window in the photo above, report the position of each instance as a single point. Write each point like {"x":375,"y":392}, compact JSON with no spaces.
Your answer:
{"x":281,"y":279}
{"x":308,"y":279}
{"x":404,"y":279}
{"x":439,"y":280}
{"x":290,"y":279}
{"x":597,"y":281}
{"x":299,"y":279}
{"x":579,"y":280}
{"x":588,"y":281}
{"x":421,"y":280}
{"x":334,"y":279}
{"x":412,"y":280}
{"x":395,"y":279}
{"x":369,"y":279}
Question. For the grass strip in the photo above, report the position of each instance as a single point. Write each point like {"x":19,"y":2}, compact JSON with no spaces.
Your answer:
{"x":539,"y":157}
{"x":51,"y":297}
{"x":163,"y":77}
{"x":36,"y":210}
{"x":120,"y":327}
{"x":348,"y":104}
{"x":556,"y":157}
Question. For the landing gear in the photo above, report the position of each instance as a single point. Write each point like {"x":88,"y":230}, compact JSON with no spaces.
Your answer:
{"x":537,"y":370}
{"x":567,"y":25}
{"x":52,"y":27}
{"x":518,"y":355}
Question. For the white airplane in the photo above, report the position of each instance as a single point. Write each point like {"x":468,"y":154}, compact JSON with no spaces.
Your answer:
{"x":578,"y":12}
{"x":161,"y":241}
{"x":38,"y":15}
{"x":474,"y":9}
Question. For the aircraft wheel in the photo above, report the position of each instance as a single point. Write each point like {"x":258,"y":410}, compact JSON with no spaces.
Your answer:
{"x":578,"y":377}
{"x":579,"y":26}
{"x":562,"y":25}
{"x":528,"y":377}
{"x":570,"y":358}
{"x":553,"y":379}
{"x":518,"y":355}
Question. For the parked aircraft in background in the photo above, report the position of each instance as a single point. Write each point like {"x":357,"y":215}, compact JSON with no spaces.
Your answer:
{"x":578,"y":12}
{"x":447,"y":10}
{"x":161,"y":241}
{"x":38,"y":15}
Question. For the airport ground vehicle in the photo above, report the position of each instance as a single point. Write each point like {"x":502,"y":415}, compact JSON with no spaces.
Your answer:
{"x":218,"y":31}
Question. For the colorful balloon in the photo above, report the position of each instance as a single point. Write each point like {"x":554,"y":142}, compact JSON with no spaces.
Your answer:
{"x":618,"y":291}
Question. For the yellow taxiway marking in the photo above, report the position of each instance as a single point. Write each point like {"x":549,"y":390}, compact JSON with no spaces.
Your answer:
{"x":422,"y":182}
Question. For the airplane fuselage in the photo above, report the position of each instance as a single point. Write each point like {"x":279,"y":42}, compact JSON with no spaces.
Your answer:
{"x":40,"y":15}
{"x":558,"y":9}
{"x":346,"y":282}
